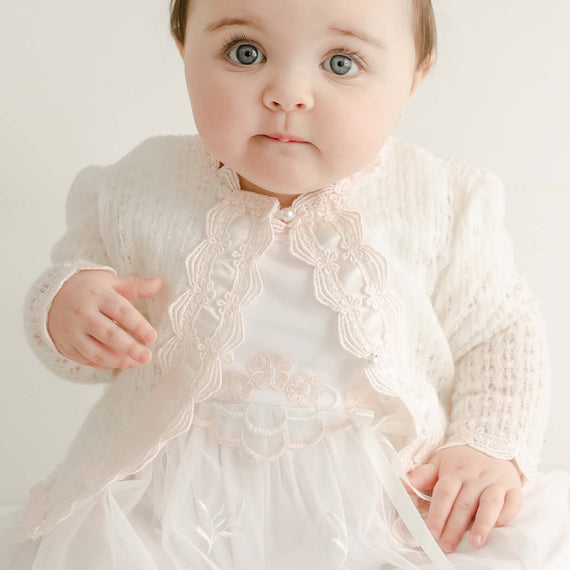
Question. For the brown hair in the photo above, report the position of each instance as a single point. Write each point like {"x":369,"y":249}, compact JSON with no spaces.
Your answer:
{"x":425,"y":30}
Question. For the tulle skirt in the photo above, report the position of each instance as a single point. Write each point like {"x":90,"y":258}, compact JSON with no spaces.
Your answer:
{"x":212,"y":499}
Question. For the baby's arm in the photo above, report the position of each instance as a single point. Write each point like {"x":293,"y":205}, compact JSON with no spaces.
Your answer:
{"x":500,"y":400}
{"x":82,"y":248}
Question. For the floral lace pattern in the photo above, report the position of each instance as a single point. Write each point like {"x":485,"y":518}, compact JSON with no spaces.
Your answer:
{"x":222,"y":278}
{"x":270,"y":371}
{"x":265,"y":431}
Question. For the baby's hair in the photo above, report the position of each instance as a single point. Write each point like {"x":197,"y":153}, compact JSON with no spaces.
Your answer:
{"x":425,"y":30}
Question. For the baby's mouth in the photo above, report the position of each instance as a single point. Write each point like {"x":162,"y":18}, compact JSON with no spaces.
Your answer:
{"x":285,"y":138}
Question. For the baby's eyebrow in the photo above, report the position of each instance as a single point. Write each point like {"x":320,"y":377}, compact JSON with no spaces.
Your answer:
{"x":225,"y":22}
{"x":359,"y":35}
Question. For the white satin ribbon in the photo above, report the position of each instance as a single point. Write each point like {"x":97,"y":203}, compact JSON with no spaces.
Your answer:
{"x":375,"y":445}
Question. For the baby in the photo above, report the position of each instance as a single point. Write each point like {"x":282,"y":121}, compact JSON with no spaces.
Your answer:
{"x":294,"y":102}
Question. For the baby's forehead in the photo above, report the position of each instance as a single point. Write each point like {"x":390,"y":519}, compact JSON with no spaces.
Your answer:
{"x":316,"y":16}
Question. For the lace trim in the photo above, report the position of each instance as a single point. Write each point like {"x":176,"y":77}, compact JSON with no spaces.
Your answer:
{"x":206,"y":318}
{"x":499,"y":447}
{"x":351,"y":279}
{"x":245,"y":426}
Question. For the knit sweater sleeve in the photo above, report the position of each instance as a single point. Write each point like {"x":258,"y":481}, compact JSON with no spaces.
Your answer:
{"x":81,"y":248}
{"x":495,"y":332}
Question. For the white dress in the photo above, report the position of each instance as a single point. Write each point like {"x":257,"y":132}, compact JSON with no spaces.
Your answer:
{"x":273,"y":474}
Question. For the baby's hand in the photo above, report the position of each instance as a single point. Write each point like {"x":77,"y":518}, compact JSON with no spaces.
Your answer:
{"x":468,"y":486}
{"x":92,"y":321}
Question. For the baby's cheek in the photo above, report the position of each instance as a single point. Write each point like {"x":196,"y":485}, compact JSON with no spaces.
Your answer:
{"x":222,"y":121}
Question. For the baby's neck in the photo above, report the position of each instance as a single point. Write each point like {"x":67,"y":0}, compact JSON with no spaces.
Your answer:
{"x":285,"y":200}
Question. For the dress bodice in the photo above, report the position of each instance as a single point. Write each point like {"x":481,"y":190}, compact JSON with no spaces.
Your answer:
{"x":291,"y":341}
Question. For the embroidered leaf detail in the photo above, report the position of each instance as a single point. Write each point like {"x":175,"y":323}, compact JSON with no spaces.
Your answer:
{"x":340,"y":527}
{"x":203,"y":534}
{"x":340,"y":544}
{"x":203,"y":507}
{"x":218,"y":525}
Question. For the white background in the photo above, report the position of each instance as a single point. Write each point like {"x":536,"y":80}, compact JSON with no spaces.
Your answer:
{"x":83,"y":82}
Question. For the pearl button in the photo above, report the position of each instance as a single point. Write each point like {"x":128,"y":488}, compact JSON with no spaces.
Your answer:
{"x":373,"y":359}
{"x":287,"y":214}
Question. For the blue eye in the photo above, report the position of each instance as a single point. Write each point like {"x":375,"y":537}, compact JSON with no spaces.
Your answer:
{"x":246,"y":54}
{"x":342,"y":65}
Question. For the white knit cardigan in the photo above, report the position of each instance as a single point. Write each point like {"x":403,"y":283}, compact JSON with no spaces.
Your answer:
{"x":411,"y":254}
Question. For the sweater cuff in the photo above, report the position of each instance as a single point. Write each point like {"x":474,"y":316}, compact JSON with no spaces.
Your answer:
{"x":497,"y":447}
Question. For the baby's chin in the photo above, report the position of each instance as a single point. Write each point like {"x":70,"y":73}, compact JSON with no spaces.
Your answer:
{"x":279,"y":185}
{"x":285,"y":179}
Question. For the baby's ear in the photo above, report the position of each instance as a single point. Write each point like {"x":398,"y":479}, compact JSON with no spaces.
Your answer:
{"x":421,"y":73}
{"x":429,"y":64}
{"x":180,"y":48}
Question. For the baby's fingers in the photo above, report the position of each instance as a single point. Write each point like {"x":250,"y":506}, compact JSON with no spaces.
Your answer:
{"x":75,"y":355}
{"x":491,"y":504}
{"x":513,"y":504}
{"x":118,"y":341}
{"x":118,"y":309}
{"x":444,"y":494}
{"x":100,"y":356}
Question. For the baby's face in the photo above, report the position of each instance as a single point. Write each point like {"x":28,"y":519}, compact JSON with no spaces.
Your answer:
{"x":294,"y":95}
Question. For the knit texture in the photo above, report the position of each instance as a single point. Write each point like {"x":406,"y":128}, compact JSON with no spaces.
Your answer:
{"x":411,"y":255}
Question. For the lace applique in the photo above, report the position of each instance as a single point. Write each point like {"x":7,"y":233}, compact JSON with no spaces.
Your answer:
{"x":236,"y":387}
{"x":351,"y":279}
{"x":273,"y":372}
{"x":317,"y":408}
{"x":305,"y":390}
{"x":265,"y":431}
{"x":269,"y":371}
{"x":222,"y":278}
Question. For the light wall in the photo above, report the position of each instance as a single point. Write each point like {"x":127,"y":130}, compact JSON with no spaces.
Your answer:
{"x":83,"y":82}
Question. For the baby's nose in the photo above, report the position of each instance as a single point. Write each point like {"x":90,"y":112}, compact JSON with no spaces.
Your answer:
{"x":288,"y":96}
{"x":277,"y":105}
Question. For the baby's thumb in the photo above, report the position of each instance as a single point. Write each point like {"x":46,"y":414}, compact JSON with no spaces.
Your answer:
{"x":135,"y":287}
{"x":423,"y":477}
